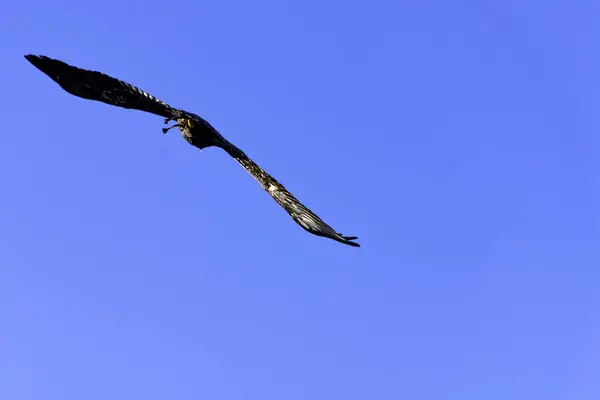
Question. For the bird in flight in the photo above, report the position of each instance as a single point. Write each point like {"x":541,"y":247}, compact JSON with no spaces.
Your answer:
{"x":194,"y":129}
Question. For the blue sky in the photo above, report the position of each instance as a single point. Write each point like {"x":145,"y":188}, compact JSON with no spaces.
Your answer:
{"x":458,"y":140}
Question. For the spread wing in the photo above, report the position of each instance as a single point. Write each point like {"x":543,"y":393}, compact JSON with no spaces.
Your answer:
{"x":97,"y":86}
{"x":299,"y":213}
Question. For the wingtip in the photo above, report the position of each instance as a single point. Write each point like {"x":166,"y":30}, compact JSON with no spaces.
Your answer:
{"x":49,"y":66}
{"x":348,"y":241}
{"x":34,"y":59}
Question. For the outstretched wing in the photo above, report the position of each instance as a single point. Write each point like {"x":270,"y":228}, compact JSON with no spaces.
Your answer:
{"x":97,"y":86}
{"x":299,"y":213}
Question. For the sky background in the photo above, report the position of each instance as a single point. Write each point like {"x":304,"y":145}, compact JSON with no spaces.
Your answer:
{"x":458,"y":139}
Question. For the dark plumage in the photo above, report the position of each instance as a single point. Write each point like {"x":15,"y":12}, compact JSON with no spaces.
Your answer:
{"x":195,"y":130}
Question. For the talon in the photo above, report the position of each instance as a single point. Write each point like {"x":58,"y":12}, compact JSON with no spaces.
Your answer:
{"x":165,"y":130}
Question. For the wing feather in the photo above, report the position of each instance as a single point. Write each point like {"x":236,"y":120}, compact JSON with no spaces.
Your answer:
{"x":298,"y":211}
{"x":93,"y":85}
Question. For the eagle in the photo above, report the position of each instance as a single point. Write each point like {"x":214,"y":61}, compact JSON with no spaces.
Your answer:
{"x":198,"y":132}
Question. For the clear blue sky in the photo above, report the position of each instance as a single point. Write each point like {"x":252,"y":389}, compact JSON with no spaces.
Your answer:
{"x":458,"y":140}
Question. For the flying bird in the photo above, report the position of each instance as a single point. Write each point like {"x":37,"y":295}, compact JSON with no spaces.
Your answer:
{"x":194,"y":129}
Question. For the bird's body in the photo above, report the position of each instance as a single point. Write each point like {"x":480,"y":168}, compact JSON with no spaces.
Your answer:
{"x":197,"y":132}
{"x":194,"y":129}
